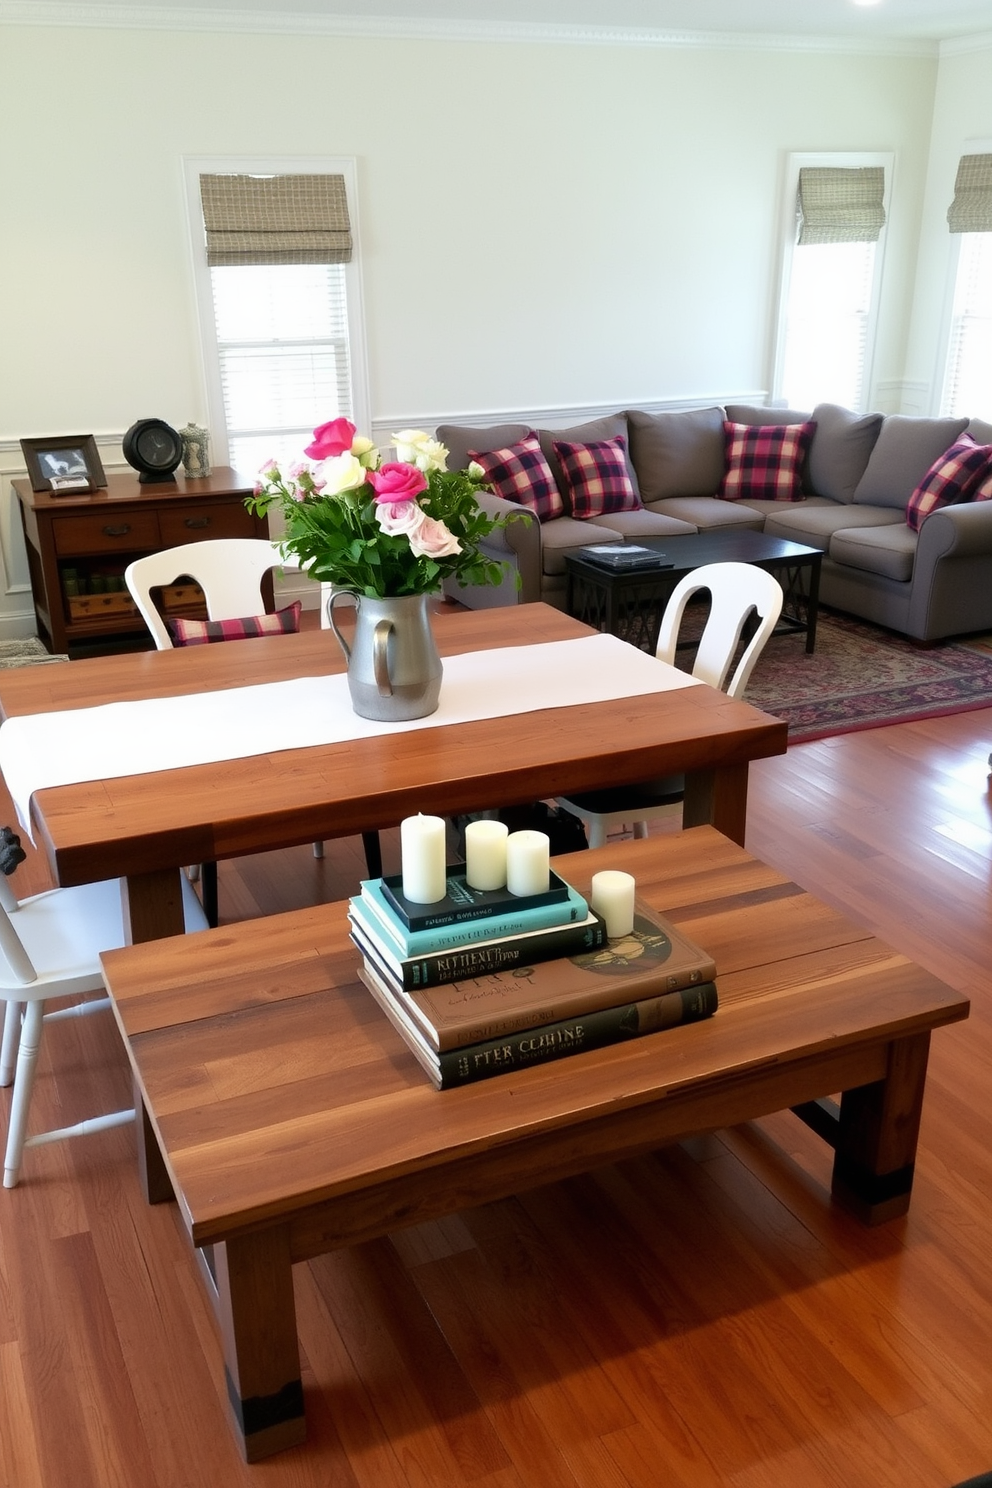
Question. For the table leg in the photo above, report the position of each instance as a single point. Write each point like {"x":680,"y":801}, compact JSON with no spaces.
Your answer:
{"x":717,"y":798}
{"x":877,"y":1135}
{"x":153,"y":905}
{"x":257,"y":1316}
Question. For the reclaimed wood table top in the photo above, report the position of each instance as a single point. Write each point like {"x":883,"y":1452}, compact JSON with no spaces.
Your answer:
{"x":142,"y":824}
{"x":280,"y":1093}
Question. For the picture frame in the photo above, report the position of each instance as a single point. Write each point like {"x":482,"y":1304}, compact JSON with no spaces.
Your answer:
{"x":64,"y":464}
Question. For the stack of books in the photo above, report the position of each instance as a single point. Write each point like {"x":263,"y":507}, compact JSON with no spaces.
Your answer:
{"x":483,"y":982}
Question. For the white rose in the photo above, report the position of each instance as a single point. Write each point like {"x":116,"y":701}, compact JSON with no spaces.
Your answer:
{"x":341,"y":473}
{"x":431,"y":456}
{"x":407,"y":443}
{"x":433,"y":540}
{"x":365,"y":451}
{"x":475,"y":470}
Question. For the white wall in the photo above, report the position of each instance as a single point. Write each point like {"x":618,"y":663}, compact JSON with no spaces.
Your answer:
{"x":543,"y":226}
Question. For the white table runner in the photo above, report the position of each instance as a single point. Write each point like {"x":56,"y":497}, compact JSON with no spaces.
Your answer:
{"x":140,"y":737}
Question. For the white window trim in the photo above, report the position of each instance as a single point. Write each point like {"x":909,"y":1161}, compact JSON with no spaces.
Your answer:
{"x":969,"y":147}
{"x":267,"y":165}
{"x":845,"y":160}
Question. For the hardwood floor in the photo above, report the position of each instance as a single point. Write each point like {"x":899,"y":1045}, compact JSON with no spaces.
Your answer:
{"x":695,"y":1318}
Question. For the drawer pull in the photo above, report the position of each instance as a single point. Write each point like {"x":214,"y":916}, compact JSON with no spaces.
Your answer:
{"x":197,"y":522}
{"x":121,"y":531}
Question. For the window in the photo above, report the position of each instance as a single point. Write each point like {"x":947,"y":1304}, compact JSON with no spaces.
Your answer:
{"x":967,"y":386}
{"x":280,"y":304}
{"x":834,"y":219}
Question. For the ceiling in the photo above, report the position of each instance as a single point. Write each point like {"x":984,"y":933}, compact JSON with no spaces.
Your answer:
{"x":903,"y":21}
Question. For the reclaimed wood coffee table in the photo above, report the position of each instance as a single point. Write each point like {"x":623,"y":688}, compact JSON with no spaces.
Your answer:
{"x":287,"y":1118}
{"x":630,"y":603}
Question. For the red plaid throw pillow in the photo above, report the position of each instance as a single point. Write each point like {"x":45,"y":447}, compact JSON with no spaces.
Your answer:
{"x":205,"y":632}
{"x":596,"y":477}
{"x":521,"y":473}
{"x":956,"y":476}
{"x":765,"y":461}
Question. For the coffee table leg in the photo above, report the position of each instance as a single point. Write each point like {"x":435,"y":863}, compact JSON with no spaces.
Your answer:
{"x":257,"y":1316}
{"x":877,"y":1135}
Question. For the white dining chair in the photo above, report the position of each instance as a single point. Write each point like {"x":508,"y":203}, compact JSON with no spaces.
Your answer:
{"x":738,"y":591}
{"x":50,"y":947}
{"x":230,"y":571}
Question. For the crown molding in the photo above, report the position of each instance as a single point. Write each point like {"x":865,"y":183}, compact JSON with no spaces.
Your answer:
{"x":304,"y":23}
{"x":957,"y":46}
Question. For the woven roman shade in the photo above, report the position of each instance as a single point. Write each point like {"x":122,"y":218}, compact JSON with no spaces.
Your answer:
{"x":971,"y":209}
{"x":837,"y":205}
{"x":275,"y":219}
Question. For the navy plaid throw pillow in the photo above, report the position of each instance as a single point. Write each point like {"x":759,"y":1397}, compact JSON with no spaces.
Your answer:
{"x":765,"y":461}
{"x":596,"y":477}
{"x":957,"y":475}
{"x":522,"y":474}
{"x":205,"y":632}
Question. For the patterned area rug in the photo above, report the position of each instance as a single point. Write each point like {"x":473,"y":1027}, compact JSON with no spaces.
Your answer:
{"x":861,"y":677}
{"x":25,"y":653}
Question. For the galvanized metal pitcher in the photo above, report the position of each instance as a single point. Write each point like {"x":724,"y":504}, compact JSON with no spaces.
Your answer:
{"x":394,"y":670}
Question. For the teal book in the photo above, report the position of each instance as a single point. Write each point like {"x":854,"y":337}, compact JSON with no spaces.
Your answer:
{"x":571,"y":910}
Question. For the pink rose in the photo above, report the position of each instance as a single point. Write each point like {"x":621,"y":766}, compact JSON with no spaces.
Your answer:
{"x":395,"y":482}
{"x":433,"y":540}
{"x":333,"y":438}
{"x":399,"y":518}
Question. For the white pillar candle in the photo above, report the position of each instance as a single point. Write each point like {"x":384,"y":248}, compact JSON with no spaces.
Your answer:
{"x":613,"y":898}
{"x":424,"y":860}
{"x":485,"y":854}
{"x":527,"y":862}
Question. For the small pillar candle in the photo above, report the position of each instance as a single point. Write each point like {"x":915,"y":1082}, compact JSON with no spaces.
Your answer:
{"x":527,"y":862}
{"x":613,"y":898}
{"x":424,"y":861}
{"x":485,"y":854}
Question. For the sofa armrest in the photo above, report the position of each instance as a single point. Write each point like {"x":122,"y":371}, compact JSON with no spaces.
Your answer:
{"x":953,"y":565}
{"x":517,"y":545}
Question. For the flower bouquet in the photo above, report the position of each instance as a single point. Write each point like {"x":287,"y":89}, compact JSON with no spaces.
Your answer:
{"x":380,"y":529}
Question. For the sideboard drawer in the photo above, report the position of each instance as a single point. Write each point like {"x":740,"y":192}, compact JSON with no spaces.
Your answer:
{"x":128,"y":532}
{"x":183,"y":524}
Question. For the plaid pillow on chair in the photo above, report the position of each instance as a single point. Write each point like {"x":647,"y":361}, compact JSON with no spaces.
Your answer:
{"x":958,"y":475}
{"x":205,"y":632}
{"x":521,"y":473}
{"x":765,"y":461}
{"x":597,"y":477}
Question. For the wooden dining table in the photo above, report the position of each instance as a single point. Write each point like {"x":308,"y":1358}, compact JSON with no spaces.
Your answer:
{"x":143,"y":828}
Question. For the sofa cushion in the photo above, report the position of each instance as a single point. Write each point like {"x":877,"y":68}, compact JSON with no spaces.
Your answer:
{"x":888,"y":550}
{"x":749,"y":413}
{"x":607,"y":427}
{"x":841,"y":448}
{"x":567,"y":534}
{"x":458,"y":439}
{"x":677,"y":452}
{"x":952,"y":477}
{"x":520,"y":473}
{"x":815,"y":523}
{"x":980,"y":431}
{"x":905,"y":449}
{"x":644,"y":523}
{"x":595,"y":476}
{"x":764,"y":460}
{"x":707,"y":512}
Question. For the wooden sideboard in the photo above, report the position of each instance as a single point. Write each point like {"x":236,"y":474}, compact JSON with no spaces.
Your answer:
{"x":78,"y":546}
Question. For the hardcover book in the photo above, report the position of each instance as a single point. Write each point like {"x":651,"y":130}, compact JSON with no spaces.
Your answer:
{"x":372,"y":901}
{"x":533,"y":1046}
{"x":463,"y":902}
{"x":654,"y":959}
{"x":476,"y":958}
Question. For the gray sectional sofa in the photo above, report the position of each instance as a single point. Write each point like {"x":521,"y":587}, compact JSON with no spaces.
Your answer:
{"x":859,"y":473}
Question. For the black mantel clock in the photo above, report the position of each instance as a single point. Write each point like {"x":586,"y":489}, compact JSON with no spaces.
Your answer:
{"x":154,"y":448}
